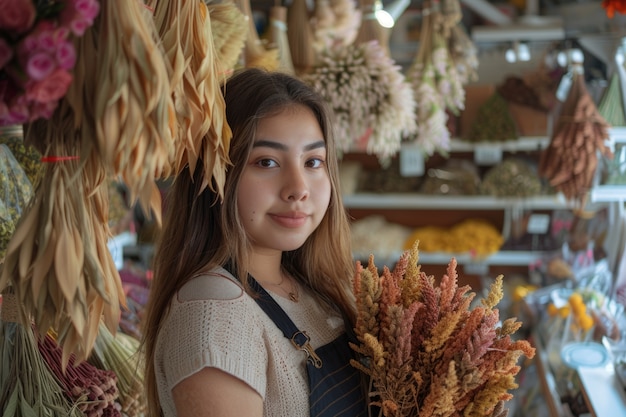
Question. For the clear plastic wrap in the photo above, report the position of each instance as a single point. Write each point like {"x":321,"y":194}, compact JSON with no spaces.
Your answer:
{"x":16,"y":191}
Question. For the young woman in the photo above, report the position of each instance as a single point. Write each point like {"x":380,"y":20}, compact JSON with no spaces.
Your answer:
{"x":226,"y":271}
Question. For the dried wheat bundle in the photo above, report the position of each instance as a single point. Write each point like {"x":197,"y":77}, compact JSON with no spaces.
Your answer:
{"x":278,"y":38}
{"x":230,"y":30}
{"x":134,"y":112}
{"x":58,"y":263}
{"x":335,"y":24}
{"x":255,"y":52}
{"x":202,"y":131}
{"x":300,"y":36}
{"x":429,"y":353}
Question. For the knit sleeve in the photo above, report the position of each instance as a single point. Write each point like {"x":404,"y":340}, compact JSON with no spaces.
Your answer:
{"x":224,"y":334}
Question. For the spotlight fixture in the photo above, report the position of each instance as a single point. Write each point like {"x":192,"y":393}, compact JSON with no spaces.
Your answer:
{"x":518,"y":53}
{"x":387,"y":16}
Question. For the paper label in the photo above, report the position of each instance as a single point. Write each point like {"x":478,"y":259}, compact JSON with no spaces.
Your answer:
{"x":538,"y":224}
{"x":487,"y":155}
{"x":411,"y":160}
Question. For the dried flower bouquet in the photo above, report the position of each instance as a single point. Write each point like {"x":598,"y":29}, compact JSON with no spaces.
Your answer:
{"x":427,"y":352}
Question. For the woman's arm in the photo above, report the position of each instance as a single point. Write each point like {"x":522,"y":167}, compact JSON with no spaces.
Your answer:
{"x":215,"y":393}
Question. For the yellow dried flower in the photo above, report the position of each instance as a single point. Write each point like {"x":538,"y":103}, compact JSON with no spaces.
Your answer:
{"x":495,"y":293}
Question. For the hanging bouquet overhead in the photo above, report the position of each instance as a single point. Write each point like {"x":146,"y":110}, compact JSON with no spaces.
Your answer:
{"x":37,"y":54}
{"x":428,"y":353}
{"x":436,"y":82}
{"x":335,"y":23}
{"x":372,"y":102}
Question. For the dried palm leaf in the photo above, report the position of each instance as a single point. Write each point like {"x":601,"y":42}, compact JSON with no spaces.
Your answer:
{"x":58,"y":262}
{"x":185,"y":30}
{"x":134,"y":111}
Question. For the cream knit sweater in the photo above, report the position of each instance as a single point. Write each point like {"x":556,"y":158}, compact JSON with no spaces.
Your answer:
{"x":213,"y":323}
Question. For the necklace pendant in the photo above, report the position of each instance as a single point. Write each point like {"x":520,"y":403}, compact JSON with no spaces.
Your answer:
{"x":293,"y":297}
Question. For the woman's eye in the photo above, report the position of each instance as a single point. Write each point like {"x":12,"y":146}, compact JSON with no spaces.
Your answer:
{"x":315,"y":163}
{"x":266,"y":163}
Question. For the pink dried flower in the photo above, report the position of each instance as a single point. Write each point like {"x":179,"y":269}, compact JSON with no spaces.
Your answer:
{"x":36,"y":59}
{"x":17,"y":15}
{"x":40,"y":65}
{"x":51,"y":88}
{"x":78,"y":15}
{"x":65,"y":55}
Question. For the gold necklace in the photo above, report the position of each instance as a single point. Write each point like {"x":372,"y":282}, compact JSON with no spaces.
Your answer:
{"x":293,"y":295}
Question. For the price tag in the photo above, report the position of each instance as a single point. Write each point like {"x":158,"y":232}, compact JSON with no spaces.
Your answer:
{"x":538,"y":224}
{"x":487,"y":155}
{"x":411,"y":160}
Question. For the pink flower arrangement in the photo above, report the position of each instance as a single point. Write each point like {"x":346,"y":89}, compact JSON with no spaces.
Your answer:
{"x":37,"y":54}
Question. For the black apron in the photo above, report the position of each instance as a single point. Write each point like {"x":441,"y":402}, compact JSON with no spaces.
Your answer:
{"x":335,"y":387}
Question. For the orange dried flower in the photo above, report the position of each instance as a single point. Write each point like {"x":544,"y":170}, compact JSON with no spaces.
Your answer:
{"x":613,"y":6}
{"x":430,"y":353}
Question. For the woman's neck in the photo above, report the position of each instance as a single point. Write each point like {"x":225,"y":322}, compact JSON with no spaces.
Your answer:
{"x":266,"y":269}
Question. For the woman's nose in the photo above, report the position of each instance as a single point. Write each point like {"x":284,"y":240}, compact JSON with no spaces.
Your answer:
{"x":295,"y":186}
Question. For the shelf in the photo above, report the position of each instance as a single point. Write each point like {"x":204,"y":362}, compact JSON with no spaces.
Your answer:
{"x":608,"y":193}
{"x":508,"y":258}
{"x":603,"y":392}
{"x":522,"y":144}
{"x":422,"y":201}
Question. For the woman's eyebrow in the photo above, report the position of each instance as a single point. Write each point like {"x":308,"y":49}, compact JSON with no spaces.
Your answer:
{"x":265,"y":143}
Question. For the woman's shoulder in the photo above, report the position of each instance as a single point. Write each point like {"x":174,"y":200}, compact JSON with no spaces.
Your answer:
{"x":215,"y":284}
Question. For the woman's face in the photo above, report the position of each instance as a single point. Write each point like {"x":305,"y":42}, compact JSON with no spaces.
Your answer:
{"x":285,"y":189}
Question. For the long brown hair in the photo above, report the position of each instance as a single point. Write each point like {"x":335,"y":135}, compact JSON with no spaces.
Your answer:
{"x":200,"y":231}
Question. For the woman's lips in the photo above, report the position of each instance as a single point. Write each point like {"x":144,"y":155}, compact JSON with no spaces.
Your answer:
{"x":291,"y":220}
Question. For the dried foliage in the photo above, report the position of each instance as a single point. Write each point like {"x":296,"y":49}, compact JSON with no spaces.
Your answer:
{"x":369,"y":96}
{"x":577,"y":143}
{"x":201,"y":128}
{"x":436,"y":82}
{"x":426,"y":352}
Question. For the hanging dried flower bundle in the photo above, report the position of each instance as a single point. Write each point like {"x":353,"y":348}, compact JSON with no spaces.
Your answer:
{"x":202,"y":132}
{"x":578,"y":140}
{"x":462,"y":50}
{"x":369,"y":98}
{"x":335,"y":24}
{"x":133,"y":111}
{"x":230,"y":30}
{"x":300,"y":37}
{"x":120,"y":353}
{"x":278,"y":38}
{"x":27,"y":386}
{"x":92,"y":390}
{"x":436,"y":84}
{"x":57,"y":262}
{"x":427,"y":353}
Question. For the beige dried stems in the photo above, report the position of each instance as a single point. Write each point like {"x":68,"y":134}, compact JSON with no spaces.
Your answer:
{"x":230,"y":30}
{"x":133,"y":110}
{"x":571,"y":159}
{"x":58,"y":263}
{"x":278,"y":38}
{"x":300,"y":36}
{"x":370,"y":30}
{"x":255,"y":53}
{"x":335,"y":24}
{"x":202,"y":131}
